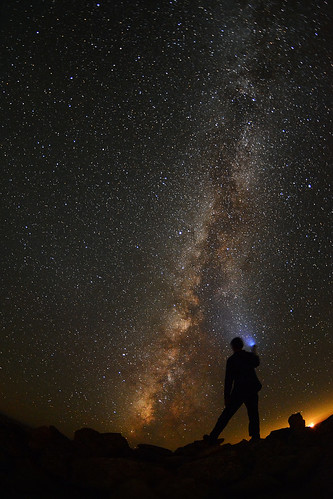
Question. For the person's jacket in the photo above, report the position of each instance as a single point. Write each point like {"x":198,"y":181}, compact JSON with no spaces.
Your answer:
{"x":240,"y":376}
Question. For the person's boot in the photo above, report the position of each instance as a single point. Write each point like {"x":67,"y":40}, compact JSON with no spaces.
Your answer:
{"x":255,"y":439}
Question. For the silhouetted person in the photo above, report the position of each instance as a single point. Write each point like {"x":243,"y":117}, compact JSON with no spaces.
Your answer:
{"x":241,"y":386}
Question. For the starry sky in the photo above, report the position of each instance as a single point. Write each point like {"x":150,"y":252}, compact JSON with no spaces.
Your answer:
{"x":165,"y":188}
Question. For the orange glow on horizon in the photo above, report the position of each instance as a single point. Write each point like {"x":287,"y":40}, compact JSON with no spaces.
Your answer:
{"x":319,"y":414}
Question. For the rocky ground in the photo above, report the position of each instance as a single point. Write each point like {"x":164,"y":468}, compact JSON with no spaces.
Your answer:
{"x":291,"y":462}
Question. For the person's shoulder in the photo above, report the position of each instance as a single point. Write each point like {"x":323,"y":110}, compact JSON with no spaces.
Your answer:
{"x":247,"y":354}
{"x":231,"y":359}
{"x":234,"y":358}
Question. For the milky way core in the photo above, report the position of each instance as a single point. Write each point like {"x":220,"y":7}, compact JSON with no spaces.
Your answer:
{"x":165,"y":189}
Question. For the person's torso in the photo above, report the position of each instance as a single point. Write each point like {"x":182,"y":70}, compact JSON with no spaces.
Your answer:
{"x":243,"y":371}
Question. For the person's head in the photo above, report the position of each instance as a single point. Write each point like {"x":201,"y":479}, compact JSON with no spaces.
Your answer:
{"x":237,"y":344}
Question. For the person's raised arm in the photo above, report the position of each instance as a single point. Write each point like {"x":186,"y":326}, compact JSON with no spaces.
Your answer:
{"x":255,"y":356}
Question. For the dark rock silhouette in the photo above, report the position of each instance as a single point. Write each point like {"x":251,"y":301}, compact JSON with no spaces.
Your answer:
{"x":325,"y":427}
{"x":51,"y":450}
{"x":291,"y":462}
{"x":152,"y":453}
{"x":296,"y":422}
{"x":89,"y":442}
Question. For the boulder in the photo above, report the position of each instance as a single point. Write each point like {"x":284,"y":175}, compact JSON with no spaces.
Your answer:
{"x":14,"y":441}
{"x":296,"y":422}
{"x":197,"y":448}
{"x":152,"y":453}
{"x":91,"y":443}
{"x":281,"y":435}
{"x":325,"y":427}
{"x":45,"y":437}
{"x":53,"y":450}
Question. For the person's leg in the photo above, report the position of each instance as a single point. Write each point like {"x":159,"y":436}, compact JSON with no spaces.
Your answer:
{"x":251,"y":403}
{"x":227,"y":413}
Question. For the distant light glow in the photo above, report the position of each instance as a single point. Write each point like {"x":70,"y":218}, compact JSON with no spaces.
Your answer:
{"x":249,"y":341}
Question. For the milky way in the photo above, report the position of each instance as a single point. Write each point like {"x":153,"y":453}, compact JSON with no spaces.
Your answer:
{"x":165,"y":188}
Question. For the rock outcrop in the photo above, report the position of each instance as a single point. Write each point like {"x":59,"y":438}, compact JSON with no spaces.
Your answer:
{"x":291,"y":462}
{"x":91,"y":443}
{"x":296,"y":422}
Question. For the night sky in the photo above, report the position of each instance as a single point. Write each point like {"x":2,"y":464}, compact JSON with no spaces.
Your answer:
{"x":165,"y":188}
